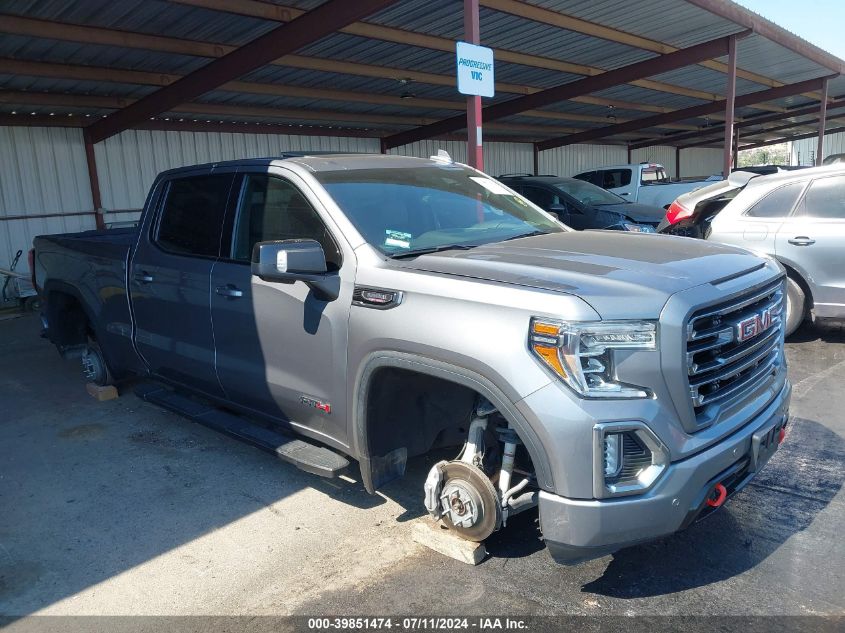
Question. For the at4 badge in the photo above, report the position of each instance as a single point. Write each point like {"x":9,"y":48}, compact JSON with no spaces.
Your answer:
{"x":325,"y":407}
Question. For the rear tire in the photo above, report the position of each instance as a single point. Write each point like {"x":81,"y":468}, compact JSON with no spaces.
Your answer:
{"x":32,"y":304}
{"x":796,"y":306}
{"x":94,"y":366}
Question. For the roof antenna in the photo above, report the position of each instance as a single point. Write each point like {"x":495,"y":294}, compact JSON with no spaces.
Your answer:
{"x":442,"y":156}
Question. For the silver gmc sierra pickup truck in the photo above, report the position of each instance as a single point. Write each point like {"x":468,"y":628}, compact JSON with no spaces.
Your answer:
{"x":368,"y":307}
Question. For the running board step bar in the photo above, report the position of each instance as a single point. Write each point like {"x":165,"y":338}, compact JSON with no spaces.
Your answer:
{"x":311,"y":458}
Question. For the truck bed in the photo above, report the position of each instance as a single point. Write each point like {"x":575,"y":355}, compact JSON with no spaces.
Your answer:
{"x":90,"y":267}
{"x":108,"y":243}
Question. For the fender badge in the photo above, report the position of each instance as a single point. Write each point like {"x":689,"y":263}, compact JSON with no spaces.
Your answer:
{"x":325,"y":407}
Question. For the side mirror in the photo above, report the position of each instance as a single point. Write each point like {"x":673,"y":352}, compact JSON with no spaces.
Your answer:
{"x":296,"y":260}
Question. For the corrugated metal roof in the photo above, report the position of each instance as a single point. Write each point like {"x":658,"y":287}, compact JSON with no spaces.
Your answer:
{"x":673,"y":22}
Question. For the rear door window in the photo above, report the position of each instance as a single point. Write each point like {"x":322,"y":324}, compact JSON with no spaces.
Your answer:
{"x":825,"y":199}
{"x":777,"y":203}
{"x":191,"y":218}
{"x":614,"y":178}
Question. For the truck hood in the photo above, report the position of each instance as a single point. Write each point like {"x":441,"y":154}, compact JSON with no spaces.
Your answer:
{"x":620,"y":274}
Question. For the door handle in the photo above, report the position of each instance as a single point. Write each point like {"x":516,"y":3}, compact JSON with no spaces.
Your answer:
{"x":802,"y":240}
{"x":229,"y":291}
{"x":143,"y":277}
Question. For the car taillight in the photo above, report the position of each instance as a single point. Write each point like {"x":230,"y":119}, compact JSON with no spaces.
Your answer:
{"x":677,"y":212}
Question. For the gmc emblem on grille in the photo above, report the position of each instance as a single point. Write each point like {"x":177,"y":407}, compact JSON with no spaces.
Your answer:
{"x":754,"y":325}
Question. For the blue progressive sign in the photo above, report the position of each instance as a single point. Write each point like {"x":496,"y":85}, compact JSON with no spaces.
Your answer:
{"x":475,"y":70}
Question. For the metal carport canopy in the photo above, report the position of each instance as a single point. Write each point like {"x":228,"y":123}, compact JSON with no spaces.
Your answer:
{"x":565,"y":68}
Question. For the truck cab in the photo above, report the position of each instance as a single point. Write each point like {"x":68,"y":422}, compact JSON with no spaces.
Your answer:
{"x":647,"y":183}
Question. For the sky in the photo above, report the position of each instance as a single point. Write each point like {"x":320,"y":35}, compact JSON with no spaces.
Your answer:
{"x":817,"y":21}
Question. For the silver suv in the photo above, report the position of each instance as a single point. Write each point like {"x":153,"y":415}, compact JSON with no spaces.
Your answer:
{"x":796,"y":217}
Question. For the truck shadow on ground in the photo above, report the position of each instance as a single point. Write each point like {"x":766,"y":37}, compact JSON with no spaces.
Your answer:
{"x":783,"y":500}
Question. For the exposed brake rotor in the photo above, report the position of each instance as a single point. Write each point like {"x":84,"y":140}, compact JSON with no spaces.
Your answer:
{"x":469,"y":502}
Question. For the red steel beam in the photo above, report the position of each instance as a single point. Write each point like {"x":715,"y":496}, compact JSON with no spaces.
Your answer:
{"x":770,"y":130}
{"x":778,"y":141}
{"x":730,"y":94}
{"x":94,"y":181}
{"x":472,"y":33}
{"x":580,"y":87}
{"x":681,"y":115}
{"x":822,"y":117}
{"x":285,"y":39}
{"x":748,"y":122}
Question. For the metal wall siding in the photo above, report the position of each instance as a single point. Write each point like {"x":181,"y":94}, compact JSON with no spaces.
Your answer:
{"x":573,"y":159}
{"x":499,"y":158}
{"x":661,"y":154}
{"x":42,"y":170}
{"x":803,"y":151}
{"x":128,"y":163}
{"x":701,"y":162}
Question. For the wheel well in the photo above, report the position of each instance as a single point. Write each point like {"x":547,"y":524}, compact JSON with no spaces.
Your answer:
{"x":797,"y":278}
{"x":69,"y":324}
{"x":416,"y":412}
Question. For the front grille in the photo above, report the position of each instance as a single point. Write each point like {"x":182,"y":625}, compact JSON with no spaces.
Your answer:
{"x":732,"y":348}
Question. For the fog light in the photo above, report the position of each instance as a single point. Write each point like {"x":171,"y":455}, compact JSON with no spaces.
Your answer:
{"x":612,"y":455}
{"x":628,"y":459}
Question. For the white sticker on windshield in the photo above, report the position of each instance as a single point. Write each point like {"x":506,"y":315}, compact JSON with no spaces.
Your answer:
{"x":492,"y":186}
{"x":397,"y":238}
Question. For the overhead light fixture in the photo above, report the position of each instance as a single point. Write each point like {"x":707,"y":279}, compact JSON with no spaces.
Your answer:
{"x":407,"y":95}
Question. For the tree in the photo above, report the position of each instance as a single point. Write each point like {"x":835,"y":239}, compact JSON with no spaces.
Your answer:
{"x":771,"y":155}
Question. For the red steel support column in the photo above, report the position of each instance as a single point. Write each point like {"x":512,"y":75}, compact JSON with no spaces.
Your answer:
{"x":736,"y":146}
{"x":677,"y":163}
{"x":629,"y":155}
{"x":730,"y":94}
{"x":822,"y":116}
{"x":94,"y":181}
{"x":472,"y":35}
{"x":536,"y":160}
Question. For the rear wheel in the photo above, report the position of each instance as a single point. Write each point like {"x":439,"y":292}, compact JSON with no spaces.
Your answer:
{"x":94,"y":366}
{"x":32,"y":304}
{"x":796,"y":306}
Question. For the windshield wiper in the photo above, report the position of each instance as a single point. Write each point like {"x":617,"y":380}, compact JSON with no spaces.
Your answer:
{"x":531,"y":234}
{"x":433,"y":249}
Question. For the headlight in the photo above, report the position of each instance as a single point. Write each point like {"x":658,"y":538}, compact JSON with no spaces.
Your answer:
{"x":638,"y":228}
{"x":581,"y":354}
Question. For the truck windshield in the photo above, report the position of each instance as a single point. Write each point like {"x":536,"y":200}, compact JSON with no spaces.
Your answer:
{"x":404,"y":210}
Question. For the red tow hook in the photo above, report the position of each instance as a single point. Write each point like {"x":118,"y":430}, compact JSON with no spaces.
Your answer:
{"x":722,"y":494}
{"x":782,"y":435}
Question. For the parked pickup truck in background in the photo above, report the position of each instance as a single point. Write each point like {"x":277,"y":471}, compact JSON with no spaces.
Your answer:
{"x":375,"y":308}
{"x":646,"y":183}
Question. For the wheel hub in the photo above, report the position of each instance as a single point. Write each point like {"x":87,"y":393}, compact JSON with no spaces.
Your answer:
{"x":469,"y":504}
{"x":92,"y":365}
{"x":461,"y":503}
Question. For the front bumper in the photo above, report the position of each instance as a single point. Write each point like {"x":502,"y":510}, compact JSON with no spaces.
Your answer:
{"x":576,"y":530}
